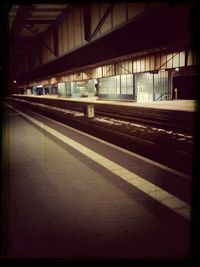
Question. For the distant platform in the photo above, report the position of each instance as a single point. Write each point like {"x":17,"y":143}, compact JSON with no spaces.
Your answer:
{"x":182,"y":105}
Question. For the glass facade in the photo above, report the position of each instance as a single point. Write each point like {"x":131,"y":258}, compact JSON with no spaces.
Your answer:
{"x":152,"y":86}
{"x":77,"y":89}
{"x":146,"y":78}
{"x":119,"y":86}
{"x":141,"y":86}
{"x":109,"y":85}
{"x":127,"y":84}
{"x":144,"y":87}
{"x":64,"y":89}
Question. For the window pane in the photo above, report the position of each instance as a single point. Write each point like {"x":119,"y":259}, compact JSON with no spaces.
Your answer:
{"x":182,"y":59}
{"x":157,"y":61}
{"x":147,"y":63}
{"x":142,"y":65}
{"x":134,"y":67}
{"x":169,"y":61}
{"x":152,"y":60}
{"x":138,"y":65}
{"x":175,"y":60}
{"x":163,"y":62}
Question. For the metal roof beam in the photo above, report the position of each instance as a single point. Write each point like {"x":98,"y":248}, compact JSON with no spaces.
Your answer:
{"x":23,"y":13}
{"x":35,"y":32}
{"x":60,"y":9}
{"x":39,"y":21}
{"x":101,"y":22}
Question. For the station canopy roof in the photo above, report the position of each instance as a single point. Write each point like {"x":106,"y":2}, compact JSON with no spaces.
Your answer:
{"x":31,"y":20}
{"x":170,"y":28}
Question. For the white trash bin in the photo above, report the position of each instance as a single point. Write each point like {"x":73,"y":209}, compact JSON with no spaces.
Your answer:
{"x":90,"y":111}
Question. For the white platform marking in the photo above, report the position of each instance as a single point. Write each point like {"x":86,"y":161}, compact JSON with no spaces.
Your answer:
{"x":159,"y":165}
{"x":155,"y":192}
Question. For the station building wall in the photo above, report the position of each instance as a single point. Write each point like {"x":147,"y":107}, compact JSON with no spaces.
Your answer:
{"x":144,"y":78}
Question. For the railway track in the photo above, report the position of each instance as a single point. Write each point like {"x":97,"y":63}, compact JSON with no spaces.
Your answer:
{"x":181,"y":121}
{"x":161,"y":146}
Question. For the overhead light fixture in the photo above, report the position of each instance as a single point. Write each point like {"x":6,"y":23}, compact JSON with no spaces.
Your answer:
{"x":14,"y":81}
{"x":176,"y":69}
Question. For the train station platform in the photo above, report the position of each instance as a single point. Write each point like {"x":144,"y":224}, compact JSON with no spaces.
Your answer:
{"x":179,"y":105}
{"x":69,"y":195}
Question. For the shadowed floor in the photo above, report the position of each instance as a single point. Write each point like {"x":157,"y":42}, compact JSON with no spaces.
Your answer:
{"x":62,"y":205}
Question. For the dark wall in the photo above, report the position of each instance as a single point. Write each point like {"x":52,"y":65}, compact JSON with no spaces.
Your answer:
{"x":186,"y":85}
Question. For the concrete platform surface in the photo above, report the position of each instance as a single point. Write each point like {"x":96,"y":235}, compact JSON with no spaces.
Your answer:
{"x":71,"y":196}
{"x":182,"y":105}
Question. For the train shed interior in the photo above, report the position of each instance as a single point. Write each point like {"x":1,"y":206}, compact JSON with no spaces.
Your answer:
{"x":100,"y":132}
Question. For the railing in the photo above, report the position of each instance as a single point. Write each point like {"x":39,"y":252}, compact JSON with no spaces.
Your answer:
{"x":161,"y":96}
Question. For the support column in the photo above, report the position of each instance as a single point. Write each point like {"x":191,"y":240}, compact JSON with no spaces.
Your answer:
{"x":153,"y":89}
{"x":170,"y":83}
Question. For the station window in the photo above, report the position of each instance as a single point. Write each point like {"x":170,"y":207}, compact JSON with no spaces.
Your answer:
{"x":134,"y":67}
{"x":142,"y":64}
{"x":152,"y":63}
{"x":163,"y":60}
{"x":124,"y":67}
{"x":182,"y":59}
{"x":147,"y":64}
{"x":175,"y":60}
{"x":158,"y":64}
{"x":169,"y":61}
{"x":108,"y":70}
{"x":127,"y":84}
{"x":138,"y":65}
